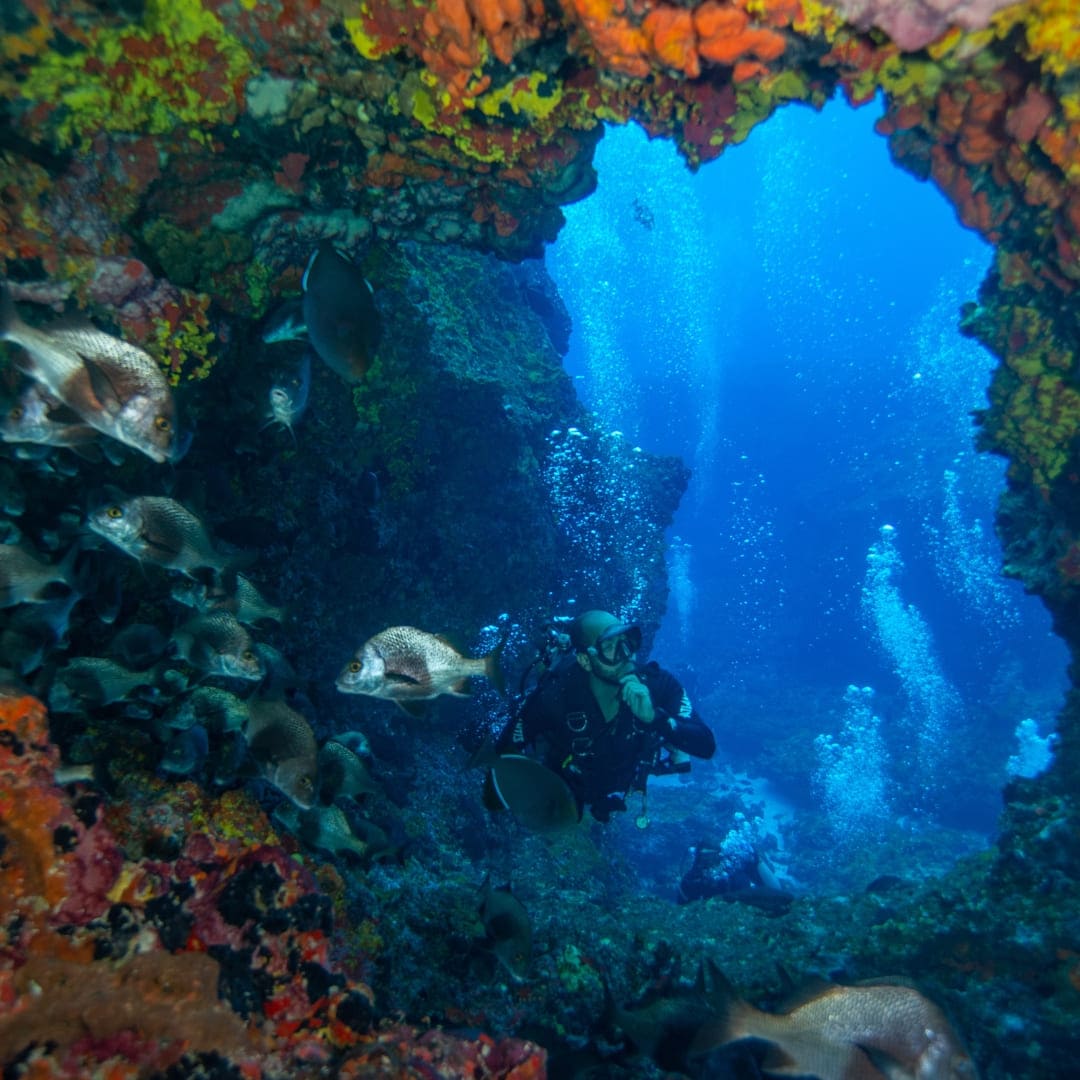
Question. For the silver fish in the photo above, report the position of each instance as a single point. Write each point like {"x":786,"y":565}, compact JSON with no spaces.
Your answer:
{"x":324,"y":828}
{"x":281,"y":740}
{"x":341,"y":772}
{"x":215,"y":709}
{"x":289,"y":396}
{"x":156,"y":529}
{"x":90,"y":682}
{"x":879,"y":1029}
{"x":219,"y":645}
{"x":343,"y":323}
{"x":29,"y":420}
{"x":113,"y":386}
{"x":410,"y":666}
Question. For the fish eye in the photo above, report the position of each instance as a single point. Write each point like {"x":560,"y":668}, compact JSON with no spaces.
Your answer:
{"x":162,"y":423}
{"x":247,"y":655}
{"x":114,"y":512}
{"x":16,"y":413}
{"x":355,"y":666}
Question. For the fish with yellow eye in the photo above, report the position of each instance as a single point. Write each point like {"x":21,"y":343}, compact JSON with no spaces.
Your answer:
{"x":115,"y":387}
{"x":156,"y":529}
{"x":217,"y":644}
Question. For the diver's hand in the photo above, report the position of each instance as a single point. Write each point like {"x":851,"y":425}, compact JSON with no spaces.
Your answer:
{"x":636,"y":695}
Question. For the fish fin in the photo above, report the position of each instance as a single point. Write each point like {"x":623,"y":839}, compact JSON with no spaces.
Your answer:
{"x":484,"y":756}
{"x":415,"y":709}
{"x":809,"y":990}
{"x":460,"y":688}
{"x":108,"y":387}
{"x":884,"y":1062}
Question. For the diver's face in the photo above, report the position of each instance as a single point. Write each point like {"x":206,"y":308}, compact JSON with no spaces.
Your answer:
{"x":610,"y":661}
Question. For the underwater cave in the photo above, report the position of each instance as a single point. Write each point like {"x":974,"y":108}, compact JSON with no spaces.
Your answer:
{"x":572,"y":373}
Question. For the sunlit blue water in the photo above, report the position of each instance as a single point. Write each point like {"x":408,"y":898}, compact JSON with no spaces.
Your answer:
{"x":789,"y":328}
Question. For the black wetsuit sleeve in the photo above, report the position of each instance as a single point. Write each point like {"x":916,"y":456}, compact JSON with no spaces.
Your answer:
{"x":679,"y":723}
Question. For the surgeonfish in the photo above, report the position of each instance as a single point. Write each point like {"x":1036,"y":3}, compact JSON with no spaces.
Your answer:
{"x":282,"y":743}
{"x":156,"y":529}
{"x":410,"y":666}
{"x":539,"y":799}
{"x":113,"y":386}
{"x":876,"y":1030}
{"x":343,"y":323}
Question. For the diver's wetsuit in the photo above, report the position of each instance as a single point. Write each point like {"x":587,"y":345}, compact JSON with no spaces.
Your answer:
{"x":596,"y":757}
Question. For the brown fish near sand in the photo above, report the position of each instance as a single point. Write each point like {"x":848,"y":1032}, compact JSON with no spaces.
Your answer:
{"x":283,"y":744}
{"x":409,"y":666}
{"x":159,"y":530}
{"x":877,"y":1030}
{"x":113,"y":386}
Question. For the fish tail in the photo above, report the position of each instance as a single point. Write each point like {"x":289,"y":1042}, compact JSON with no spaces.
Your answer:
{"x":493,"y":666}
{"x":9,"y":317}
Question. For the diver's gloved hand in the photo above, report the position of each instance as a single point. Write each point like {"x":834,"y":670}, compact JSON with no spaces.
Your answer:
{"x":636,"y":695}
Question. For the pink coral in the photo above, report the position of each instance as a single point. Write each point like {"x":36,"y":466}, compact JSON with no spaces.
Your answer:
{"x":913,"y":24}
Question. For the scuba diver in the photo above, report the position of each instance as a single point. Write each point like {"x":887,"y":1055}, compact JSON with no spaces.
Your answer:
{"x":606,"y":723}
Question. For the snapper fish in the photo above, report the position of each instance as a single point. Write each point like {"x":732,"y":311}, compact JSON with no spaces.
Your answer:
{"x":343,"y":323}
{"x":877,"y":1030}
{"x":217,"y":644}
{"x":283,"y":744}
{"x":410,"y":666}
{"x":30,"y":420}
{"x":115,"y":387}
{"x":24,"y":578}
{"x":156,"y":529}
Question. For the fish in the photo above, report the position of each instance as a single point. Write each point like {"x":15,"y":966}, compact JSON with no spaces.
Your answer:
{"x":25,"y":579}
{"x":324,"y":828}
{"x":212,"y":708}
{"x":410,"y":666}
{"x":92,"y":682}
{"x":286,"y":324}
{"x":877,"y":1030}
{"x":507,"y":928}
{"x":250,"y":606}
{"x":539,"y":799}
{"x":281,"y":741}
{"x":341,"y":772}
{"x":115,"y":387}
{"x":30,"y":420}
{"x":288,"y":396}
{"x":243,"y":600}
{"x":343,"y":322}
{"x":139,"y":646}
{"x":159,"y":530}
{"x":185,"y":752}
{"x":217,"y":644}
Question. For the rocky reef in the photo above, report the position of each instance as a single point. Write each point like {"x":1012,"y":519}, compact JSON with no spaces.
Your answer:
{"x":167,"y":168}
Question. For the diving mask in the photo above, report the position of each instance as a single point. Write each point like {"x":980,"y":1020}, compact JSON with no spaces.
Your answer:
{"x":618,"y":644}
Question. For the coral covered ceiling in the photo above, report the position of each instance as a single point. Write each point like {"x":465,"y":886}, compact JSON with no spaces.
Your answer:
{"x":206,"y":143}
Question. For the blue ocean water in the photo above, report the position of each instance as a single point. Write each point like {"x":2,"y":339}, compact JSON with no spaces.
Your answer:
{"x":786,"y":321}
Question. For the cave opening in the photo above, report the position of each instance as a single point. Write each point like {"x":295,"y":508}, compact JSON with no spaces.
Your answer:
{"x":786,"y":320}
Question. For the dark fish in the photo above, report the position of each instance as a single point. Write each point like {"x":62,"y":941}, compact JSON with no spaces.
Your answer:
{"x":878,"y":1030}
{"x":507,"y":928}
{"x":242,"y":599}
{"x":539,"y":799}
{"x":26,"y":579}
{"x":281,"y":741}
{"x":185,"y":752}
{"x":289,"y":396}
{"x":155,"y":529}
{"x":341,"y":772}
{"x":210,"y":707}
{"x":250,"y":606}
{"x":343,"y":323}
{"x":219,"y":645}
{"x":113,"y":386}
{"x":91,"y":682}
{"x":139,"y":646}
{"x":409,"y":666}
